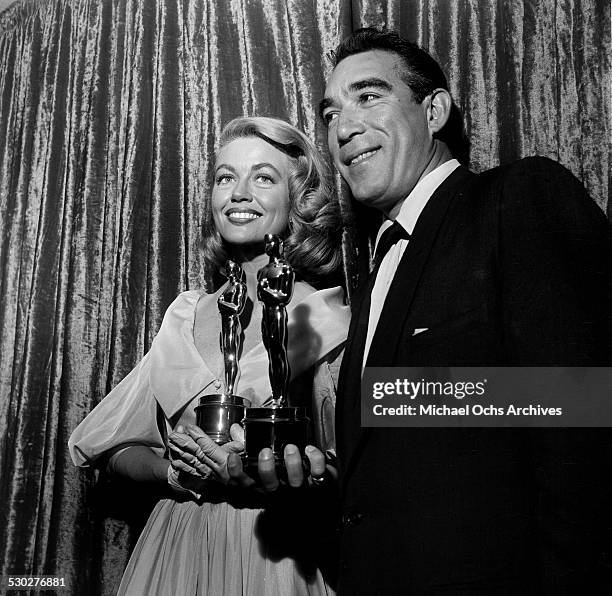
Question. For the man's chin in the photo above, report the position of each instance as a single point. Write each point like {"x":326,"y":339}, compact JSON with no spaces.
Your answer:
{"x":368,"y":196}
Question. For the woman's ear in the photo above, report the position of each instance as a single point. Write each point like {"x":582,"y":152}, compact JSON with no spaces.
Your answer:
{"x":440,"y":104}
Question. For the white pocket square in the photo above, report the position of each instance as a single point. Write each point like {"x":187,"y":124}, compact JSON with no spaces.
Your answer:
{"x":419,"y":330}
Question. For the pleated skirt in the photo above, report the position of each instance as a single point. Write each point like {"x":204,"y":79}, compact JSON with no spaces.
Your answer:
{"x":189,"y":549}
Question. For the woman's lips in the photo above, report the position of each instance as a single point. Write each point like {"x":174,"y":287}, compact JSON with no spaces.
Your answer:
{"x":242,"y":216}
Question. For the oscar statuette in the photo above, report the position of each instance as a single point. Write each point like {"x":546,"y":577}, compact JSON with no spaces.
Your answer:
{"x":216,"y":413}
{"x":279,"y":424}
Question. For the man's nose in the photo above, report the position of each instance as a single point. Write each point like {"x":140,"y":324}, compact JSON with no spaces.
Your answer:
{"x":350,"y":124}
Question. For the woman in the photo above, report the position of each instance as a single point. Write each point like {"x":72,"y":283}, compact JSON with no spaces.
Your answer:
{"x":269,"y":178}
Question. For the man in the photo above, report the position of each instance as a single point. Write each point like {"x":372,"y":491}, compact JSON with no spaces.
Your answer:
{"x":506,"y":268}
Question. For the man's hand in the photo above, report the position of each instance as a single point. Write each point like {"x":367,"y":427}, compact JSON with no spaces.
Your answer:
{"x":320,"y":473}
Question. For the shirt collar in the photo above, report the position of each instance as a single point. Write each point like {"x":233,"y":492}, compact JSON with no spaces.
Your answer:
{"x":415,"y":202}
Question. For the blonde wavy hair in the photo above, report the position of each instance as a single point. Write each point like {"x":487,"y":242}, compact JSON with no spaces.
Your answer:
{"x":312,"y":238}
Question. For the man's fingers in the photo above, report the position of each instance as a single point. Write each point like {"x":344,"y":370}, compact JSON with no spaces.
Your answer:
{"x":293,"y":464}
{"x":267,"y":473}
{"x":317,"y":461}
{"x":332,"y":472}
{"x":236,"y":474}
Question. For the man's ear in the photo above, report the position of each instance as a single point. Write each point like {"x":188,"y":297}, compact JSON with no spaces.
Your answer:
{"x":440,"y":104}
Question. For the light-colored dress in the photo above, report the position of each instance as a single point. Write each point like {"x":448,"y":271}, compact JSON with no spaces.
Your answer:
{"x":210,"y":546}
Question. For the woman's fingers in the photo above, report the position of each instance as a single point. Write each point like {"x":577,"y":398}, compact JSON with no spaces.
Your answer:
{"x":237,"y":433}
{"x":181,"y":466}
{"x":183,"y":442}
{"x":209,"y":451}
{"x":197,"y":443}
{"x":187,"y":462}
{"x":234,"y":447}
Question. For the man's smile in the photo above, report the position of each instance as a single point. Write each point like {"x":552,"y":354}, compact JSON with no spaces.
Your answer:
{"x":356,"y":158}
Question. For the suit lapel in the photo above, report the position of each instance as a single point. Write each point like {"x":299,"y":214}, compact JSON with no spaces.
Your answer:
{"x":399,"y":299}
{"x":347,"y":404}
{"x":395,"y":311}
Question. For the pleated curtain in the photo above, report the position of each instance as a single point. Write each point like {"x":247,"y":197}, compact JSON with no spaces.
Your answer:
{"x":109,"y":115}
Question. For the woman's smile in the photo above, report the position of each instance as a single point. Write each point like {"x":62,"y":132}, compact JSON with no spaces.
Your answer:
{"x":242,"y":216}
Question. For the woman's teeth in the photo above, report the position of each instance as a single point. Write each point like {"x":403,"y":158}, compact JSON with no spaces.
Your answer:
{"x":242,"y":215}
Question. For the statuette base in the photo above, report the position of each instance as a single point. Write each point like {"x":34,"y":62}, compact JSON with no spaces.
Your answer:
{"x":216,"y":413}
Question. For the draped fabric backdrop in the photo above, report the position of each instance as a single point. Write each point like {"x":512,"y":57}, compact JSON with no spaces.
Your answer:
{"x":109,"y":113}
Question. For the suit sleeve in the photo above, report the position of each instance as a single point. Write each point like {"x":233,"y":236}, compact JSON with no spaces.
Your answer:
{"x":555,"y":255}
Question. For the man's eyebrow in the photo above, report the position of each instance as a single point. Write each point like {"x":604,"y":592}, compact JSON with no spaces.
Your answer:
{"x":371,"y":82}
{"x":374,"y":82}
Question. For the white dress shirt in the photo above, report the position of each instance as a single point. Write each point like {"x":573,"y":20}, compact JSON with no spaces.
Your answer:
{"x":407,"y":217}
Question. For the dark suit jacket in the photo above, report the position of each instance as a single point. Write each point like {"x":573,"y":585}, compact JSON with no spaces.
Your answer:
{"x":509,"y":267}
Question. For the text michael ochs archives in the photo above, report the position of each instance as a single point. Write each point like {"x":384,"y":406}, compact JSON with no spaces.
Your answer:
{"x":486,"y":397}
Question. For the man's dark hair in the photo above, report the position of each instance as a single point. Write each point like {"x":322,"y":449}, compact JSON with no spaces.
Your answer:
{"x":421,"y":73}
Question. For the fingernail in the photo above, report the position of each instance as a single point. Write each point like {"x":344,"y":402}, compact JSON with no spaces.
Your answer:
{"x":180,"y":429}
{"x":194,"y":430}
{"x":291,"y":450}
{"x":266,"y":453}
{"x":309,"y":449}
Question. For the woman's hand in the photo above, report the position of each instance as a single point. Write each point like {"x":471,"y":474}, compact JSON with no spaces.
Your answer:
{"x":198,"y":456}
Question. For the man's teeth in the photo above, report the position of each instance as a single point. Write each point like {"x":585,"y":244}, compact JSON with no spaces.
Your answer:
{"x":242,"y":215}
{"x":362,"y":156}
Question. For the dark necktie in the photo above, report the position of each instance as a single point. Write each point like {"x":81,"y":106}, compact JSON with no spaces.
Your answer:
{"x":393,"y":234}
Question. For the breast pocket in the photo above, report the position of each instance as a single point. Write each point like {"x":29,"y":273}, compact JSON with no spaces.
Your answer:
{"x":461,"y":340}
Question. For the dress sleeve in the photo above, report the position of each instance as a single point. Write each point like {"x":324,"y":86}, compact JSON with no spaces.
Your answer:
{"x":126,"y":416}
{"x":325,"y":382}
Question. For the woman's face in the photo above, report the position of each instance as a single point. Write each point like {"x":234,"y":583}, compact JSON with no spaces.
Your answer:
{"x":250,"y":196}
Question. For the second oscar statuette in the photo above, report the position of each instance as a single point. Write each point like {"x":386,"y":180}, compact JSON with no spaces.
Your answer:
{"x":279,"y":424}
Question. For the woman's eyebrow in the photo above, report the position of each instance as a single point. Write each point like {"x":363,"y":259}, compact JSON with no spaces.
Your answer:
{"x":225,"y":166}
{"x":258,"y":166}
